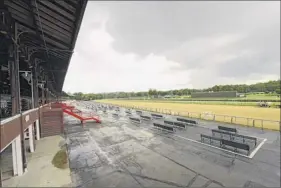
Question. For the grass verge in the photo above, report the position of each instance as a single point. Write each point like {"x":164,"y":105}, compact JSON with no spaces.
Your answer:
{"x":60,"y":160}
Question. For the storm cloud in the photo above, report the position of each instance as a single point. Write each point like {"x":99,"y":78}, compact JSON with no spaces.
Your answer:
{"x":184,"y":44}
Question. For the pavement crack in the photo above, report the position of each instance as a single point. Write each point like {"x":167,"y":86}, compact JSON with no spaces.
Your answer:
{"x":154,"y":179}
{"x":178,"y":163}
{"x":131,"y":174}
{"x":207,"y":183}
{"x":192,"y":180}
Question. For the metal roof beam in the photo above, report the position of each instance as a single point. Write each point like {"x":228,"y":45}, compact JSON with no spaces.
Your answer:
{"x":62,"y":38}
{"x":62,"y":30}
{"x":53,"y":14}
{"x":55,"y":21}
{"x":65,"y":6}
{"x":51,"y":41}
{"x":58,"y":10}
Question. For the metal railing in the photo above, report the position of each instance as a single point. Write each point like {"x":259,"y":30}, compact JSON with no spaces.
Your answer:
{"x":244,"y":121}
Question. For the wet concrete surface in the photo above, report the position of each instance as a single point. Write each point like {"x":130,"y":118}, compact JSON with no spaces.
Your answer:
{"x":119,"y":153}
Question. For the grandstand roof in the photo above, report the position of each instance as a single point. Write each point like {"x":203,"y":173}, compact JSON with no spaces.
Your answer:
{"x":52,"y":27}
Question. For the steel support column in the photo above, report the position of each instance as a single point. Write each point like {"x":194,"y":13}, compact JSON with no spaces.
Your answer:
{"x":47,"y":89}
{"x":13,"y":81}
{"x":36,"y":125}
{"x":43,"y":95}
{"x":34,"y":71}
{"x":17,"y":96}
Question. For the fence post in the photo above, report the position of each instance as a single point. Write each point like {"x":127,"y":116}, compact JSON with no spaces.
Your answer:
{"x":231,"y":119}
{"x":261,"y":124}
{"x":254,"y":123}
{"x":214,"y":117}
{"x":200,"y":116}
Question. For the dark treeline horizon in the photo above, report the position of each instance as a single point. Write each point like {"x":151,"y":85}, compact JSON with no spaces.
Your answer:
{"x":272,"y":86}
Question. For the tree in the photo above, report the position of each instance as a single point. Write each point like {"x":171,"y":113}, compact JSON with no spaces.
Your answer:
{"x":270,"y":86}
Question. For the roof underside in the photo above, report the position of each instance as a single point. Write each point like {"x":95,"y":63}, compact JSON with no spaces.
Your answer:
{"x":52,"y":26}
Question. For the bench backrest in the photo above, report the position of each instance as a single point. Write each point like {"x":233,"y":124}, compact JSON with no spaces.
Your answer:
{"x":179,"y":124}
{"x":187,"y":121}
{"x":134,"y":119}
{"x":145,"y":117}
{"x":236,"y":144}
{"x":229,"y":129}
{"x":227,"y":142}
{"x":210,"y":137}
{"x":236,"y":135}
{"x":157,"y":115}
{"x":165,"y":127}
{"x":168,"y":122}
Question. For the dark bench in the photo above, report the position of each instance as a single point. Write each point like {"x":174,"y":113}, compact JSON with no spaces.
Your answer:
{"x":175,"y":123}
{"x":223,"y":143}
{"x":188,"y":121}
{"x":229,"y":129}
{"x":164,"y":127}
{"x":137,"y":120}
{"x":145,"y":117}
{"x":179,"y":124}
{"x":138,"y":112}
{"x":168,"y":122}
{"x":115,"y":114}
{"x":210,"y":138}
{"x":234,"y":135}
{"x":157,"y":116}
{"x":235,"y":145}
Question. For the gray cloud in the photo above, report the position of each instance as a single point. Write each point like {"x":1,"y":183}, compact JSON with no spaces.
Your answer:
{"x":187,"y":32}
{"x":134,"y":46}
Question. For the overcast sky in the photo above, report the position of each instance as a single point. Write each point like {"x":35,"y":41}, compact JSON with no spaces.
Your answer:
{"x":134,"y":46}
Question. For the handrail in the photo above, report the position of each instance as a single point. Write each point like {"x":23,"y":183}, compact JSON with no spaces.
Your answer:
{"x":7,"y":120}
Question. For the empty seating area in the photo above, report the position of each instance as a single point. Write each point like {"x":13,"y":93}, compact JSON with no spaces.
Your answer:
{"x":137,"y":116}
{"x":227,"y":138}
{"x":139,"y":139}
{"x":223,"y":137}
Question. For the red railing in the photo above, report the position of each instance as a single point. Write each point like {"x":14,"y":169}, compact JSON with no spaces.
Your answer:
{"x":82,"y":116}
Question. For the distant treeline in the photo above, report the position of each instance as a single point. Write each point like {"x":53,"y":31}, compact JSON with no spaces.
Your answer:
{"x":266,"y":87}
